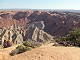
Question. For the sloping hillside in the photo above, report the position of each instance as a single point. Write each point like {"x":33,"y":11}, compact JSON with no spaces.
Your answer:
{"x":49,"y":52}
{"x":56,"y":23}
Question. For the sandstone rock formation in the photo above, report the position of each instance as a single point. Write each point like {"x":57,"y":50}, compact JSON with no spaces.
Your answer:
{"x":36,"y":33}
{"x":11,"y":36}
{"x":41,"y":36}
{"x":19,"y":38}
{"x":56,"y":23}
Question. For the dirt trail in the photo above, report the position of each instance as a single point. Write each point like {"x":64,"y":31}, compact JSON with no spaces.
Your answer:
{"x":49,"y":52}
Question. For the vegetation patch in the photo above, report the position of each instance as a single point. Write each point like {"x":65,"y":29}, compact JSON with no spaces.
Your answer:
{"x":25,"y":46}
{"x":72,"y":39}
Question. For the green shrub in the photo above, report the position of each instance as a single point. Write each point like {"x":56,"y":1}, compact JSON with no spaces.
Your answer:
{"x":72,"y":39}
{"x":27,"y":43}
{"x":21,"y":49}
{"x":26,"y":46}
{"x":31,"y":43}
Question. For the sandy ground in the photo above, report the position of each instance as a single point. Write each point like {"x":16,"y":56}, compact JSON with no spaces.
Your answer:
{"x":47,"y":52}
{"x":4,"y":53}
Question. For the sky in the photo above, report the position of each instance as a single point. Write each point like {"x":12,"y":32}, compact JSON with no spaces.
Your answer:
{"x":40,"y":4}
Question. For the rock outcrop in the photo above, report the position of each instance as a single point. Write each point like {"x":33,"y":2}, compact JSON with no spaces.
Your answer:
{"x":56,"y":23}
{"x":36,"y":33}
{"x":41,"y":36}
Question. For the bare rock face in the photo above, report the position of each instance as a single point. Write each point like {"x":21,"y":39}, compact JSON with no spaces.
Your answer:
{"x":38,"y":16}
{"x":56,"y":23}
{"x":38,"y":24}
{"x":7,"y":38}
{"x":6,"y":16}
{"x":41,"y":36}
{"x":20,"y":15}
{"x":32,"y":26}
{"x":11,"y":36}
{"x":36,"y":33}
{"x":19,"y":39}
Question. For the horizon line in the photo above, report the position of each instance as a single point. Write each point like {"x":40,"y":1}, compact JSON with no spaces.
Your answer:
{"x":34,"y":9}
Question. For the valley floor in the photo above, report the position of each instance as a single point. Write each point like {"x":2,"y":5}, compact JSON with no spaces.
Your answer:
{"x":46,"y":52}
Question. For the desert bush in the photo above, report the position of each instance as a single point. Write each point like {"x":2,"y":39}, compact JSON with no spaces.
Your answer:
{"x":32,"y":43}
{"x":20,"y":49}
{"x":27,"y":43}
{"x":25,"y":46}
{"x":62,"y":41}
{"x":72,"y":39}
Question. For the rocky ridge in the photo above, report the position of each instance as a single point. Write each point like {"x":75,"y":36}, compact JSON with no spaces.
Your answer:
{"x":56,"y":23}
